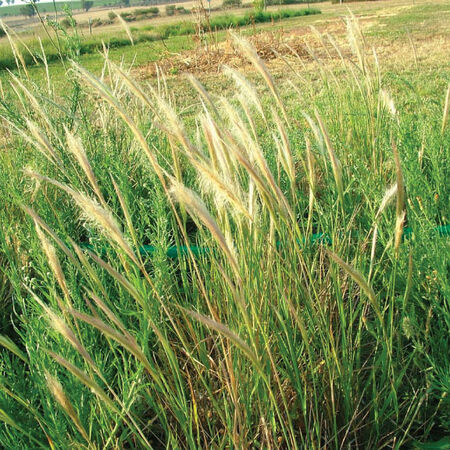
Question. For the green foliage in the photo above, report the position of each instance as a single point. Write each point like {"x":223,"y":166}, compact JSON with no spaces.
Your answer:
{"x":231,"y":3}
{"x":27,"y":10}
{"x":231,"y":21}
{"x":170,"y":10}
{"x":128,"y":16}
{"x":87,"y":4}
{"x":146,"y":11}
{"x":300,"y":325}
{"x":259,"y":6}
{"x":49,"y":7}
{"x":290,"y":2}
{"x":65,"y":23}
{"x":94,"y":45}
{"x":182,"y":10}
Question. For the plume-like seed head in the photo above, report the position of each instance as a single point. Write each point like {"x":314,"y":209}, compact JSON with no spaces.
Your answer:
{"x":76,"y":148}
{"x":53,"y":261}
{"x":195,"y":206}
{"x":56,"y":389}
{"x":105,"y":221}
{"x":387,"y":198}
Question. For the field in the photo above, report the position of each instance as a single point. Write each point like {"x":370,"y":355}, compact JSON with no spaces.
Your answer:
{"x":49,"y":7}
{"x":217,"y":236}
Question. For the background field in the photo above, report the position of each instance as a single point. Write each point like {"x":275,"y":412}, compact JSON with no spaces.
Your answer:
{"x":256,"y":257}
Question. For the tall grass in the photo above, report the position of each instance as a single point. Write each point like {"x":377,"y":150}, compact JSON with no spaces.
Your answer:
{"x":264,"y":339}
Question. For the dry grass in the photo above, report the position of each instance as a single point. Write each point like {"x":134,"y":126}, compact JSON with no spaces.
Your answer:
{"x":269,"y":46}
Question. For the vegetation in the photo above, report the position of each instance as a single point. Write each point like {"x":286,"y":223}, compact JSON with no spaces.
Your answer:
{"x":87,"y":4}
{"x":232,"y":3}
{"x":48,"y":7}
{"x":265,"y":269}
{"x":232,"y":21}
{"x":170,"y":10}
{"x":27,"y":10}
{"x":290,"y":2}
{"x":146,"y":11}
{"x":91,"y":45}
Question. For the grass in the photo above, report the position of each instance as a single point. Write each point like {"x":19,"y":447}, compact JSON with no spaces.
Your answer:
{"x":231,"y":21}
{"x":266,"y":340}
{"x":48,"y":7}
{"x":55,"y":50}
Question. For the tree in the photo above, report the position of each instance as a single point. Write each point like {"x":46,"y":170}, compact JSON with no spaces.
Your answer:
{"x":27,"y":10}
{"x":1,"y":3}
{"x":87,"y":4}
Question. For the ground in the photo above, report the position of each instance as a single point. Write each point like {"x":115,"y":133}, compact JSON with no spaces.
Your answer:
{"x":406,"y":32}
{"x":407,"y":36}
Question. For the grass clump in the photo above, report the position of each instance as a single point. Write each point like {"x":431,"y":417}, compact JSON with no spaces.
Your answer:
{"x":308,"y":321}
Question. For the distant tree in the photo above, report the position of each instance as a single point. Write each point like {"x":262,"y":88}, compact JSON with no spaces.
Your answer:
{"x":1,"y":3}
{"x":87,"y":4}
{"x":125,"y":2}
{"x":27,"y":10}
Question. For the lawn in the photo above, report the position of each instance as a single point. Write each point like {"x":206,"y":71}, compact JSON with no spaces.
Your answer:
{"x":252,"y":255}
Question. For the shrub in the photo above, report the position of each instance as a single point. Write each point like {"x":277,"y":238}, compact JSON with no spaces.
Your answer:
{"x":128,"y":17}
{"x":231,"y":3}
{"x":112,"y":16}
{"x":146,"y":11}
{"x":65,"y":23}
{"x":97,"y":23}
{"x":170,"y":10}
{"x":182,"y":10}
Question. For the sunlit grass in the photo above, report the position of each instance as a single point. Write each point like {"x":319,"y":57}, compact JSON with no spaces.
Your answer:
{"x":309,"y":320}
